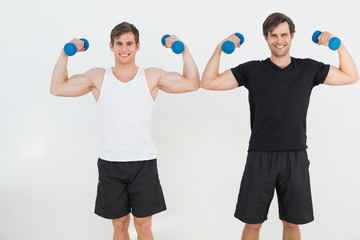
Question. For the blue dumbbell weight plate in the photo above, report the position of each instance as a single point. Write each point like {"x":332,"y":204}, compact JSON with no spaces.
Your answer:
{"x":177,"y":47}
{"x":70,"y":49}
{"x":228,"y":47}
{"x":334,"y":43}
{"x":163,"y":39}
{"x":242,"y":39}
{"x":315,"y":36}
{"x":86,"y":43}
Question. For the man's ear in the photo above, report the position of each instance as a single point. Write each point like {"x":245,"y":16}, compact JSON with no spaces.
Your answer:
{"x":111,"y":47}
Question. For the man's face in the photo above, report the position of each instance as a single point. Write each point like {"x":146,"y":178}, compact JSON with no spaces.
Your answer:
{"x":279,"y":40}
{"x":125,"y":48}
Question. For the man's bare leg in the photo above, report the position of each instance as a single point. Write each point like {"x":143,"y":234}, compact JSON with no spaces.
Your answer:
{"x":143,"y":228}
{"x":121,"y":226}
{"x":251,"y":232}
{"x":291,"y":231}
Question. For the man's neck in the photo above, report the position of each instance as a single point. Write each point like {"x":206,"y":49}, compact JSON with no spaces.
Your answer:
{"x":281,"y":62}
{"x":125,"y":72}
{"x":125,"y":68}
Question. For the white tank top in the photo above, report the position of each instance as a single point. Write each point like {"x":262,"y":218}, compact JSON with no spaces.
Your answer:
{"x":125,"y":114}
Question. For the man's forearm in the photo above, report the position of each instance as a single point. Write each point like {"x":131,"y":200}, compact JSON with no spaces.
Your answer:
{"x":212,"y":68}
{"x":60,"y":73}
{"x":190,"y":70}
{"x":347,"y":64}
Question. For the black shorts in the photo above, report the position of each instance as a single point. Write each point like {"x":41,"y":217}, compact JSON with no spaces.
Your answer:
{"x":288,"y":173}
{"x":126,"y":187}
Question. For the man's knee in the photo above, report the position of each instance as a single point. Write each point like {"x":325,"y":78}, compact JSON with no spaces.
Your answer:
{"x":143,"y":226}
{"x":253,"y":227}
{"x":290,"y":226}
{"x":121,"y":224}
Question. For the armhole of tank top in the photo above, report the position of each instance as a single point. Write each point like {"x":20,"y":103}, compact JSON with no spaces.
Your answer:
{"x":147,"y":87}
{"x":102,"y":85}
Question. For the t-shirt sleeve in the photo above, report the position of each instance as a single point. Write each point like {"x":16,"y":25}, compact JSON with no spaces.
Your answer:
{"x":321,"y":72}
{"x":240,"y":74}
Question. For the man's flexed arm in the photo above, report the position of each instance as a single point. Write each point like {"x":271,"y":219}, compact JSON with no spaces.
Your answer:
{"x":347,"y":72}
{"x":189,"y":80}
{"x":211,"y":79}
{"x":76,"y":85}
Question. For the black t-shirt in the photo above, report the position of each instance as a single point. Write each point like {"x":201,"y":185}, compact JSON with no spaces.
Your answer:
{"x":279,"y":100}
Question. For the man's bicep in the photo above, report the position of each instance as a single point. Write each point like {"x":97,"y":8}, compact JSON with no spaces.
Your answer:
{"x":336,"y":77}
{"x":173,"y":82}
{"x":225,"y":81}
{"x":76,"y":85}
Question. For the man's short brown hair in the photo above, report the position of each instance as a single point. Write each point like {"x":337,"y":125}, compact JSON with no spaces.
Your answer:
{"x":273,"y":20}
{"x":122,"y":28}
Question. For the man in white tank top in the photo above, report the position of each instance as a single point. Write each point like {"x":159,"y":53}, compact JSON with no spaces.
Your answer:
{"x":125,"y":94}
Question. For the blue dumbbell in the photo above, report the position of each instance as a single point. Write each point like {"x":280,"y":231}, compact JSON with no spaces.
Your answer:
{"x":228,"y":46}
{"x":334,"y":42}
{"x":177,"y":47}
{"x":70,"y":48}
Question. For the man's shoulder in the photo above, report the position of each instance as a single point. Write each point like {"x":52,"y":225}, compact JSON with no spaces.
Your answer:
{"x":305,"y":60}
{"x":96,"y":75}
{"x":153,"y":74}
{"x":250,"y":64}
{"x":154,"y":71}
{"x":98,"y":70}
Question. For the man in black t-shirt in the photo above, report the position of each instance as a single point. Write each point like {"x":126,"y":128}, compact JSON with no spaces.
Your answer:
{"x":279,"y":92}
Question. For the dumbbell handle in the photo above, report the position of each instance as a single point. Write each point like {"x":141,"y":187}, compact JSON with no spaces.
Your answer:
{"x":70,"y":48}
{"x":228,"y":46}
{"x":334,"y":42}
{"x":177,"y":47}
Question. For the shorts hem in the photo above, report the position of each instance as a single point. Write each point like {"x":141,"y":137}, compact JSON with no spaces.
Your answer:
{"x":110,"y":216}
{"x":250,"y":221}
{"x":297,"y":221}
{"x":114,"y":216}
{"x":149,"y":213}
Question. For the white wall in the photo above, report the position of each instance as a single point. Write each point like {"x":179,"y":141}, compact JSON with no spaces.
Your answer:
{"x":49,"y":145}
